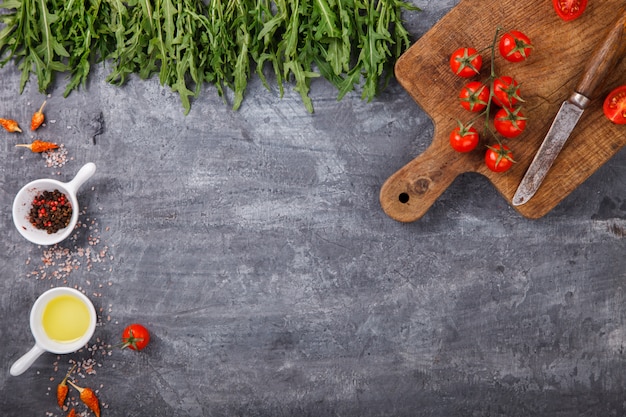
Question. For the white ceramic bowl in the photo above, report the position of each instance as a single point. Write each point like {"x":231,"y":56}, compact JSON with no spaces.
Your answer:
{"x":24,"y":200}
{"x":42,"y":342}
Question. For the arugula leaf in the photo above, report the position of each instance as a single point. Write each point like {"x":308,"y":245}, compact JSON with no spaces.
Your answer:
{"x":49,"y":47}
{"x":241,"y":71}
{"x":7,"y":35}
{"x":327,"y":20}
{"x":351,"y":43}
{"x":80,"y":29}
{"x":185,"y":59}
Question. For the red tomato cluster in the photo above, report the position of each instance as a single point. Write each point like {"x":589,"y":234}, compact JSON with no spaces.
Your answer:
{"x":478,"y":97}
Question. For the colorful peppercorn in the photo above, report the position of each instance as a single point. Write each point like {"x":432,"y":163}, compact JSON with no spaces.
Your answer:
{"x":51,"y":211}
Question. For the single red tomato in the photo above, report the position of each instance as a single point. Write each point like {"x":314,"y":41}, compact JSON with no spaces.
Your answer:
{"x":474,"y":96}
{"x":506,"y":92}
{"x":515,"y":46}
{"x":569,"y":9}
{"x":135,"y":337}
{"x":499,"y":158}
{"x":464,"y":138}
{"x":466,"y":62}
{"x":615,"y":105}
{"x":509,"y":122}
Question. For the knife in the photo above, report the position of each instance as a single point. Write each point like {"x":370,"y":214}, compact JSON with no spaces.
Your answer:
{"x":601,"y":63}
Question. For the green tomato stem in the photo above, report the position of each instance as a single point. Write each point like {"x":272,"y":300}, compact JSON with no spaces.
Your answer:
{"x":490,"y":82}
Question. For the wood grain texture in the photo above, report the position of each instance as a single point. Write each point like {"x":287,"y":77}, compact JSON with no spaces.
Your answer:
{"x":548,"y":77}
{"x":603,"y":60}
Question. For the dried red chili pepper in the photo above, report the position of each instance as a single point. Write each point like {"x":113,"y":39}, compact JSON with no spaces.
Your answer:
{"x":38,"y":146}
{"x":10,"y":125}
{"x":88,"y":397}
{"x":72,"y":413}
{"x":62,"y":388}
{"x":37,"y":118}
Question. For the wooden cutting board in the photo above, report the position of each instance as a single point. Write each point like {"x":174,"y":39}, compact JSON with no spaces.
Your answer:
{"x":547,"y":78}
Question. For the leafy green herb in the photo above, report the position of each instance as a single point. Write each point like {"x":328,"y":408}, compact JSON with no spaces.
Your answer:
{"x":351,"y":43}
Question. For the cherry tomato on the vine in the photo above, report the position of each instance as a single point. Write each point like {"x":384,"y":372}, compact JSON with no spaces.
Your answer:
{"x":515,"y":46}
{"x":474,"y":96}
{"x":135,"y":337}
{"x":569,"y":9}
{"x":466,"y":62}
{"x":509,"y":122}
{"x":506,"y":92}
{"x":499,"y":158}
{"x":464,"y":138}
{"x":615,"y":105}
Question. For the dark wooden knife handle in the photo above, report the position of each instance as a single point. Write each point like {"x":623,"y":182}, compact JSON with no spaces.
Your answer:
{"x":604,"y":58}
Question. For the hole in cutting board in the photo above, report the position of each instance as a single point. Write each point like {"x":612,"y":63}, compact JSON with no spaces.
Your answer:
{"x":404,"y":198}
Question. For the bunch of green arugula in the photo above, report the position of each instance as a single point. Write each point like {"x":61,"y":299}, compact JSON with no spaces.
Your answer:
{"x":222,"y":42}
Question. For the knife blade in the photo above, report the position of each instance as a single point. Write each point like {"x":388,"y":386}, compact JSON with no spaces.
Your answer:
{"x":598,"y":67}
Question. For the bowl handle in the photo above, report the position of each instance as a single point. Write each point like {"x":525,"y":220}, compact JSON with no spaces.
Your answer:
{"x":82,"y":175}
{"x":23,"y":363}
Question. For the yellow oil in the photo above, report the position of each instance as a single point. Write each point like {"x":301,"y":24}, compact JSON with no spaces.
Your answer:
{"x":65,"y":319}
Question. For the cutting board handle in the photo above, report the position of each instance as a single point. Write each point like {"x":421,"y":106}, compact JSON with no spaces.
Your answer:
{"x":408,"y":194}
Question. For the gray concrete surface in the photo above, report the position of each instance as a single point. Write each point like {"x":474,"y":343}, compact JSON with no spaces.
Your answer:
{"x":253,"y":246}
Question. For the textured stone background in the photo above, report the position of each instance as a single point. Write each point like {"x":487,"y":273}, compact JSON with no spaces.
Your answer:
{"x":253,"y":246}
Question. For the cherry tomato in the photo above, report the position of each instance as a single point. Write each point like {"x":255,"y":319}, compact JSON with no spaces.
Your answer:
{"x":466,"y":62}
{"x":499,"y":158}
{"x":474,"y":96}
{"x":509,"y":122}
{"x":464,"y":138}
{"x":615,"y":105}
{"x":515,"y":46}
{"x":135,"y":337}
{"x":506,"y":92}
{"x":569,"y":9}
